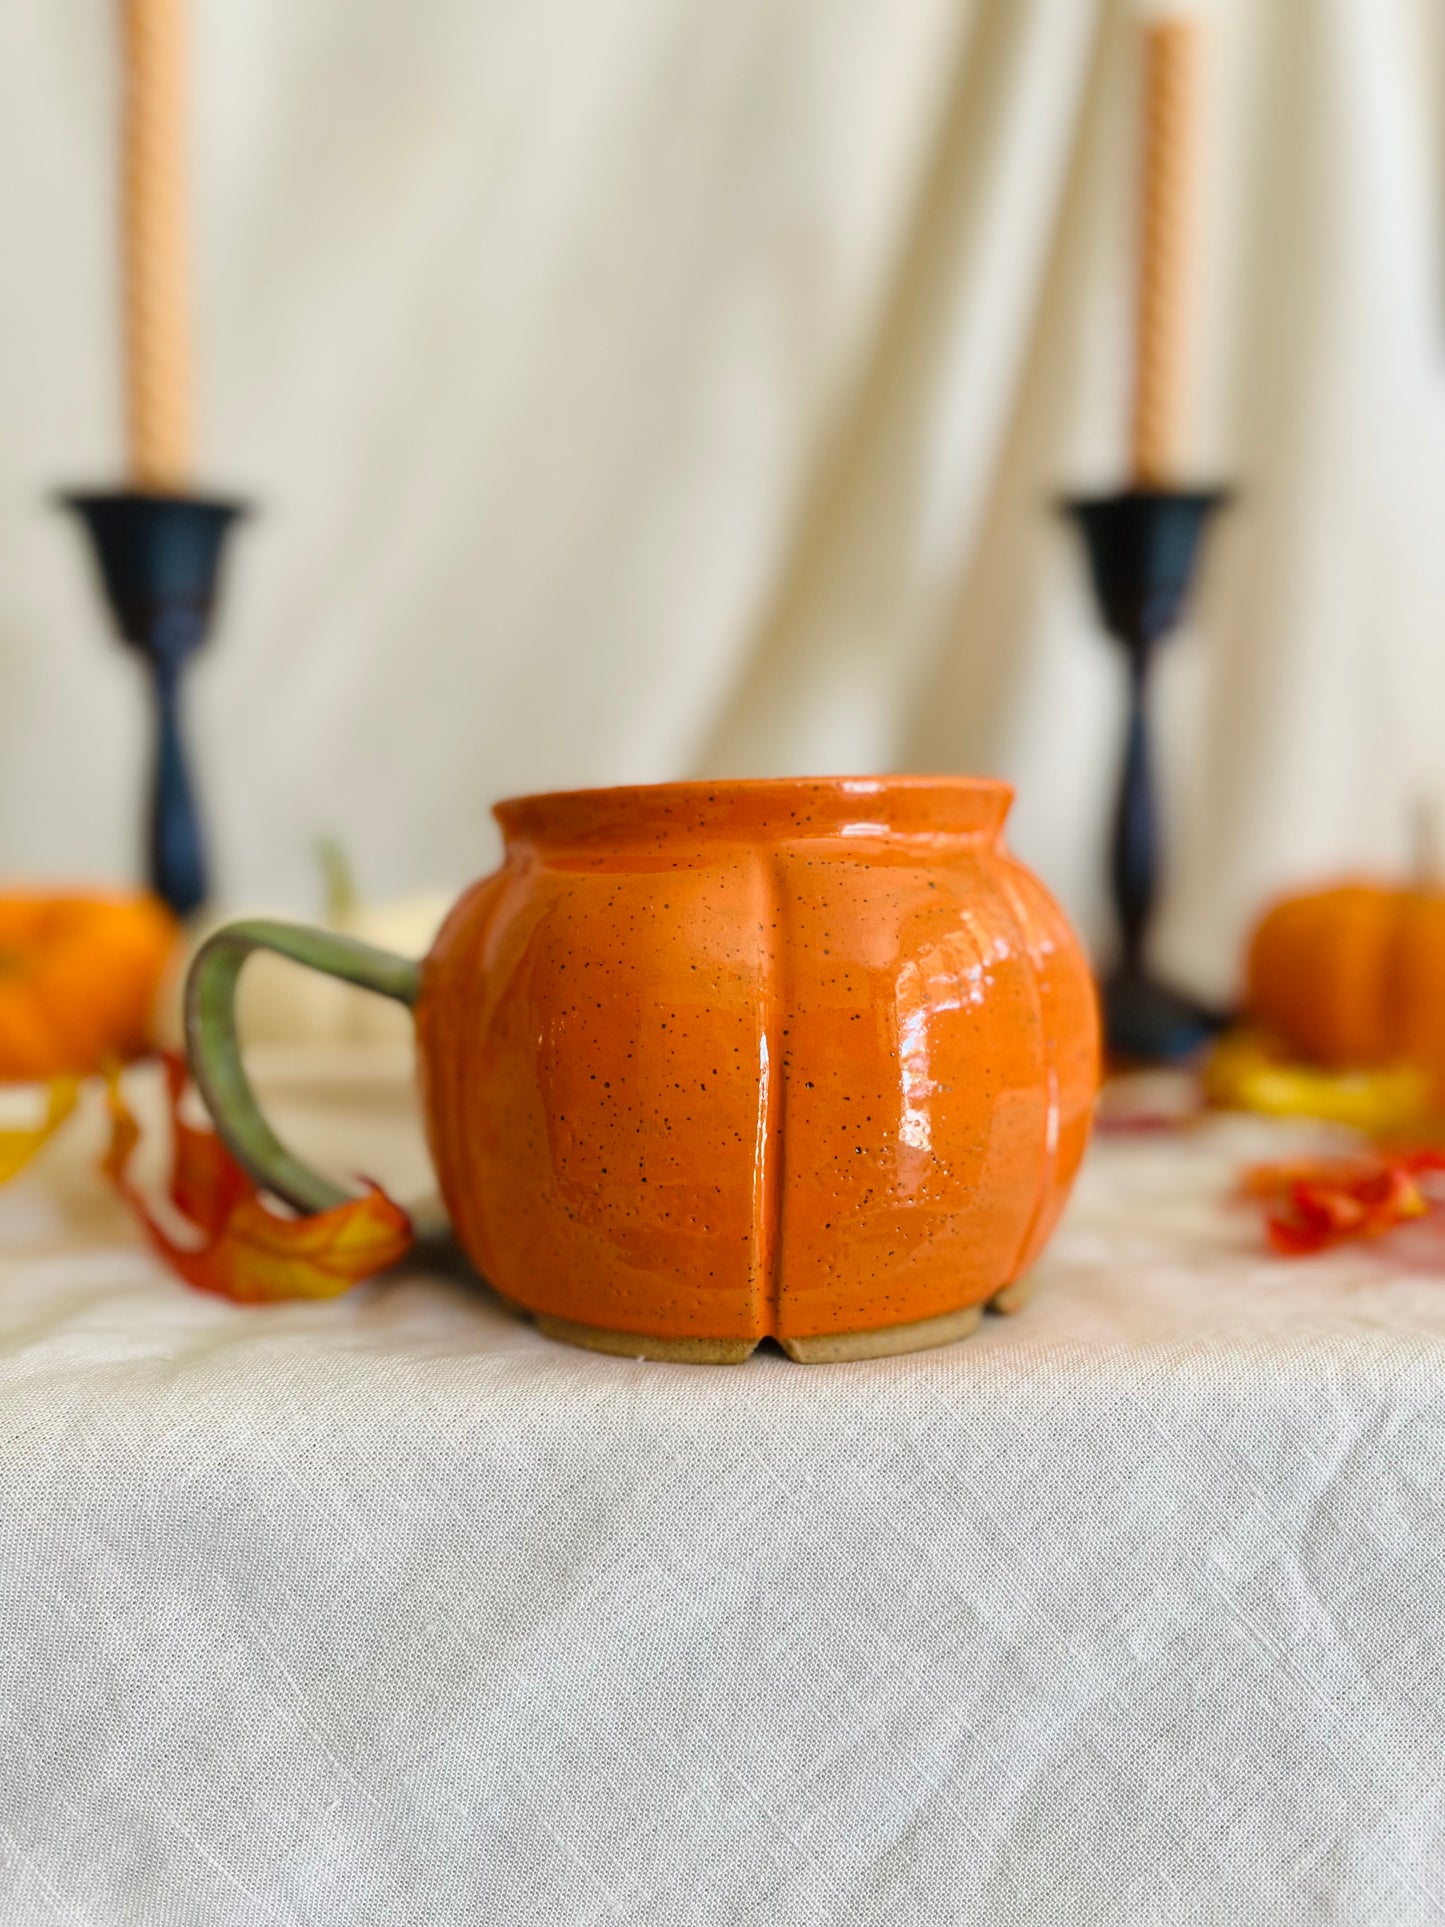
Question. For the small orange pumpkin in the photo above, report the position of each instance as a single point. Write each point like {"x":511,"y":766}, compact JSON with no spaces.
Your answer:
{"x":1354,"y":975}
{"x":79,"y":977}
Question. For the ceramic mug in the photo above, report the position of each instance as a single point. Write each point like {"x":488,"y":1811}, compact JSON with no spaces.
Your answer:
{"x":705,"y":1063}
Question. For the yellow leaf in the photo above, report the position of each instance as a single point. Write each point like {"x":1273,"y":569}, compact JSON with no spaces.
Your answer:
{"x":1249,"y":1071}
{"x":19,"y":1146}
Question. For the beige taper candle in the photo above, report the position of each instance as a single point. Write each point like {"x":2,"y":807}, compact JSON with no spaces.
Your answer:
{"x":1166,"y":245}
{"x":155,"y":243}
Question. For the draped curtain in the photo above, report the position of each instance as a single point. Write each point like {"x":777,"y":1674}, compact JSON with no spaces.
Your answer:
{"x":633,"y":389}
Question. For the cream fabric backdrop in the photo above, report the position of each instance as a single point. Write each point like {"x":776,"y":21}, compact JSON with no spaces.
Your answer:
{"x":637,"y":388}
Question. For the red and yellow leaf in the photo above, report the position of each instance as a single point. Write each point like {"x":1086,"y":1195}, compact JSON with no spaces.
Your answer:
{"x":1317,"y":1203}
{"x":247,"y":1251}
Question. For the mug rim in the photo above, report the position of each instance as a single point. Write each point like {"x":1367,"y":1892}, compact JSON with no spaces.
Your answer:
{"x":889,"y":805}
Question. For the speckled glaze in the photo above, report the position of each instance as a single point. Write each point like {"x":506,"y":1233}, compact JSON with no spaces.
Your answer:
{"x":706,"y":1063}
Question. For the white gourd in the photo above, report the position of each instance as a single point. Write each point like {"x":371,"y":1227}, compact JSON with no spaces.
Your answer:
{"x":280,"y":1003}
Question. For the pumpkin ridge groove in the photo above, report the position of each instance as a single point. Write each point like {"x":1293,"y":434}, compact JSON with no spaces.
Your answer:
{"x":771,"y":1179}
{"x":1024,"y":924}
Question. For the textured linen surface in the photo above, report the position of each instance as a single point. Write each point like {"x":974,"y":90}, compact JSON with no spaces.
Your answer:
{"x":645,"y":388}
{"x":389,"y":1611}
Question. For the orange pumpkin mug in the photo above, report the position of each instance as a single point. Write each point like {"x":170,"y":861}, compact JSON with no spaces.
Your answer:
{"x":705,"y":1063}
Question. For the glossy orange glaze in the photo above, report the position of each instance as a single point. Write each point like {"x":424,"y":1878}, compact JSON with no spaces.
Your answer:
{"x":737,"y":1059}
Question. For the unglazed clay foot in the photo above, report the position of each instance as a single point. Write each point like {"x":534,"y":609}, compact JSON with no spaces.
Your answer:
{"x":677,"y":1351}
{"x":1015,"y":1296}
{"x":825,"y":1348}
{"x":831,"y":1348}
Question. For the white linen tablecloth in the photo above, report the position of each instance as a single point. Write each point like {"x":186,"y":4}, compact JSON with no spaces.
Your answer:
{"x":1129,"y":1610}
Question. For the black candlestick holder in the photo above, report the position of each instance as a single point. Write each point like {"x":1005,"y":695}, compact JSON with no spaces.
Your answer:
{"x":160,"y":560}
{"x":1143,"y":546}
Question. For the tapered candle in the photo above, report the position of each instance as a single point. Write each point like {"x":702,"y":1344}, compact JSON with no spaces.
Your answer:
{"x":1172,"y":46}
{"x":155,"y":244}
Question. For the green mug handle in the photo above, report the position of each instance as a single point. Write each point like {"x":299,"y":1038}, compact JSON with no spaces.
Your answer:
{"x":215,"y":1054}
